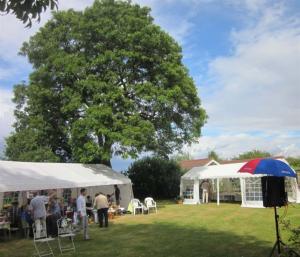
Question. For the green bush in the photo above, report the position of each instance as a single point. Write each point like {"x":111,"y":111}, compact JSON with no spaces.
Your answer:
{"x":158,"y":178}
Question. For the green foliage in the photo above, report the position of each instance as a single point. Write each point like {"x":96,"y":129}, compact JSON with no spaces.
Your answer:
{"x":23,"y":146}
{"x":181,"y":157}
{"x":155,"y":177}
{"x":253,"y":154}
{"x":106,"y":81}
{"x":27,"y":10}
{"x":214,"y":156}
{"x":294,"y":162}
{"x":294,"y":236}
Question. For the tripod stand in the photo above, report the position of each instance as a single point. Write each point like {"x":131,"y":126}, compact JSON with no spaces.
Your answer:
{"x":278,"y":243}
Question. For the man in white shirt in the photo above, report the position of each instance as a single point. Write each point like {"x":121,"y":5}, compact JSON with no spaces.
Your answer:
{"x":38,"y":212}
{"x":81,"y":210}
{"x":101,"y":204}
{"x":205,"y":191}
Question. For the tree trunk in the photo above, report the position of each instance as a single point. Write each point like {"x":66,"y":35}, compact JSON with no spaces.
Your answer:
{"x":106,"y":162}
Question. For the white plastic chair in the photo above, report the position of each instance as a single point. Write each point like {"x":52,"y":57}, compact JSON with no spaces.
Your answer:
{"x":137,"y":205}
{"x":150,"y":204}
{"x":65,"y":231}
{"x":41,"y":241}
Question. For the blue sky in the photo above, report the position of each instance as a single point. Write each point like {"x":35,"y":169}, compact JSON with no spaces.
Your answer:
{"x":242,"y":54}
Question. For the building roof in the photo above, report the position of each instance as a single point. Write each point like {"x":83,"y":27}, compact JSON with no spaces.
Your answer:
{"x":189,"y":164}
{"x":228,"y":170}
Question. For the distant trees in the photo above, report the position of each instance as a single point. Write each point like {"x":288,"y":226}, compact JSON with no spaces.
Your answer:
{"x":151,"y":176}
{"x":294,"y":162}
{"x":182,"y":156}
{"x":253,"y":154}
{"x":214,"y":156}
{"x":27,"y":10}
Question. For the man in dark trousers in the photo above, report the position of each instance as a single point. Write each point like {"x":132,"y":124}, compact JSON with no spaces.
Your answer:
{"x":117,"y":195}
{"x":101,"y":204}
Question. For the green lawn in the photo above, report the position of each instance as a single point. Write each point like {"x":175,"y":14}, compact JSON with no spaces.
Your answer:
{"x":177,"y":230}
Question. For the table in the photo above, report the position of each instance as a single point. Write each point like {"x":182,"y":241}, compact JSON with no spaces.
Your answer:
{"x":4,"y":225}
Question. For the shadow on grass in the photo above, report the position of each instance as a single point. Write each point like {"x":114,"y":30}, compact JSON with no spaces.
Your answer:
{"x":160,"y":239}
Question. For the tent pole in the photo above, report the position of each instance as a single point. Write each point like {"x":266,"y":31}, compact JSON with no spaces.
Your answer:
{"x":242,"y":191}
{"x":218,"y":192}
{"x":196,"y":196}
{"x":181,"y":188}
{"x":1,"y":200}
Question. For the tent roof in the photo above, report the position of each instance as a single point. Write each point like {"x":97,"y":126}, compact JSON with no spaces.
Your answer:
{"x":229,"y":170}
{"x":24,"y":176}
{"x":217,"y":171}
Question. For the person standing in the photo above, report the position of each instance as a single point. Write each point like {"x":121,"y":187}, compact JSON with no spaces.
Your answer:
{"x":89,"y":206}
{"x":54,"y":215}
{"x":81,"y":210}
{"x":205,"y":190}
{"x":101,"y":204}
{"x":117,"y":195}
{"x":38,"y":212}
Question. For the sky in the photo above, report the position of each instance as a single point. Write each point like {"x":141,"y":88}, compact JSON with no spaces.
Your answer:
{"x":244,"y":56}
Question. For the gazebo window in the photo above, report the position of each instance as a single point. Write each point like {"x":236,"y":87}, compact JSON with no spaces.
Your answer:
{"x":253,"y":189}
{"x":67,"y":194}
{"x":10,"y":197}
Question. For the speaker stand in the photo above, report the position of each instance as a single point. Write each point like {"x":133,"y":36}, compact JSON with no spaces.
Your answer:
{"x":278,"y":243}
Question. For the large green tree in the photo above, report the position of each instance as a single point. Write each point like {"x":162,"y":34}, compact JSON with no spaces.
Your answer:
{"x":27,"y":10}
{"x":106,"y":81}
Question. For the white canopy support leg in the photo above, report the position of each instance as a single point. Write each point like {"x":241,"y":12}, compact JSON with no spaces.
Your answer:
{"x":1,"y":200}
{"x":218,"y":191}
{"x":242,"y":186}
{"x":196,"y":191}
{"x":296,"y":190}
{"x":181,"y":188}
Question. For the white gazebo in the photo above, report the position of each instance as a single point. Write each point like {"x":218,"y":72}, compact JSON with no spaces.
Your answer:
{"x":24,"y":177}
{"x":246,"y":187}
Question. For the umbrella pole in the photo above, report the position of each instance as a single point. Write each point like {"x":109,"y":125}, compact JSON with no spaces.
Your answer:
{"x":278,"y":240}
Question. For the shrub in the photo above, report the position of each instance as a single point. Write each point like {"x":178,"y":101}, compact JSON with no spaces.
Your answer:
{"x":155,"y":177}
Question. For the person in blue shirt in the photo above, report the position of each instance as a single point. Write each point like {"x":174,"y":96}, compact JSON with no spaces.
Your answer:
{"x":54,"y":214}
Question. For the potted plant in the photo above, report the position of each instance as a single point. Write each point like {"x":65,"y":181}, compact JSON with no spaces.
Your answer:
{"x":179,"y":199}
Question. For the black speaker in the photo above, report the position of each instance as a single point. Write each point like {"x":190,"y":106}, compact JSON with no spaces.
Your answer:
{"x":273,"y":191}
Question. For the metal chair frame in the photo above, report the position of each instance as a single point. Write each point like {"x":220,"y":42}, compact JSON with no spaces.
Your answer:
{"x":65,"y":231}
{"x":42,"y":240}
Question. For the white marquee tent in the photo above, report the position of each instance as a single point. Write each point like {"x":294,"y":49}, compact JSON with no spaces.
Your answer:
{"x":249,"y":186}
{"x":30,"y":176}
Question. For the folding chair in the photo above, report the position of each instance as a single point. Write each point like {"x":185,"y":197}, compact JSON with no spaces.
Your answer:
{"x":65,"y":232}
{"x":137,"y":205}
{"x":41,"y":241}
{"x":150,"y":204}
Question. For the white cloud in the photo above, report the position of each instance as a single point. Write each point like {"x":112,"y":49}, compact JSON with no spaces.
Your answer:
{"x":177,"y":23}
{"x":230,"y":145}
{"x":257,"y":87}
{"x":6,"y":114}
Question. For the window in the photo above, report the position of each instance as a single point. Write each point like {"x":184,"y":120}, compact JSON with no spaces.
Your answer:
{"x":10,"y":197}
{"x":253,"y":189}
{"x":67,"y":194}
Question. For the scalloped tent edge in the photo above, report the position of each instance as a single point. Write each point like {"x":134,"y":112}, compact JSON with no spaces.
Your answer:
{"x":215,"y":173}
{"x":31,"y":176}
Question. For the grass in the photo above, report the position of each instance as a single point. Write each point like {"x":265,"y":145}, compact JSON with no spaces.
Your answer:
{"x":177,"y":231}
